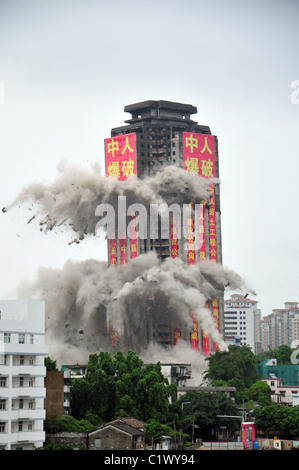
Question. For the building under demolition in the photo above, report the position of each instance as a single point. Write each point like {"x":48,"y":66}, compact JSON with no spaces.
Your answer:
{"x":160,"y":134}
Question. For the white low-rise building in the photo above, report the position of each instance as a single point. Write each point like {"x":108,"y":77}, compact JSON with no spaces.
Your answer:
{"x":22,"y":374}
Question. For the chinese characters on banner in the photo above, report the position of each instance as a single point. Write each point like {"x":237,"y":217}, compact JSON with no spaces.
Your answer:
{"x":199,"y":158}
{"x":194,"y":334}
{"x":120,"y":156}
{"x":173,"y":237}
{"x":190,"y":240}
{"x":133,"y":238}
{"x":120,"y":162}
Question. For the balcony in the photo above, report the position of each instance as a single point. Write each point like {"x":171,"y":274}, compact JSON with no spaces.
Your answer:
{"x":22,"y":436}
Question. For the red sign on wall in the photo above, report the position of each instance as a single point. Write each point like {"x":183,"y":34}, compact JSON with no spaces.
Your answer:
{"x":120,"y":156}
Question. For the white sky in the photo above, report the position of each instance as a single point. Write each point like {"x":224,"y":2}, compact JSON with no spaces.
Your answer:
{"x":70,"y":66}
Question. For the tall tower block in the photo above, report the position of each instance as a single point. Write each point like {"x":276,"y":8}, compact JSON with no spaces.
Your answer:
{"x":159,"y":134}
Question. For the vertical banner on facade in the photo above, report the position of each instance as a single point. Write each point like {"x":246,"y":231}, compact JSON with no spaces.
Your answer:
{"x":205,"y":337}
{"x":173,"y":237}
{"x":202,"y":231}
{"x":199,"y":158}
{"x":120,"y":162}
{"x":123,"y":250}
{"x":190,"y":239}
{"x":176,"y":335}
{"x":133,"y":238}
{"x":113,"y":251}
{"x":194,"y":334}
{"x":215,"y":315}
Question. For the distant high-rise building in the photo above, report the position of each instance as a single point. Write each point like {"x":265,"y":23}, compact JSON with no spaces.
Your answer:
{"x":242,"y":322}
{"x":22,"y":374}
{"x":281,"y":327}
{"x":159,"y":134}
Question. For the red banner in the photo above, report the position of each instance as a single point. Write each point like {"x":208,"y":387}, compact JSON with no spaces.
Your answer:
{"x":173,"y":236}
{"x":176,"y":336}
{"x":190,"y":241}
{"x":120,"y":162}
{"x":120,"y":156}
{"x":199,"y":158}
{"x":113,"y":251}
{"x":215,"y":314}
{"x":133,"y":238}
{"x":201,"y":231}
{"x":194,"y":334}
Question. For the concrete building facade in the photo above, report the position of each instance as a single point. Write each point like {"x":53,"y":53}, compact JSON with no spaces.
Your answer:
{"x":22,"y":374}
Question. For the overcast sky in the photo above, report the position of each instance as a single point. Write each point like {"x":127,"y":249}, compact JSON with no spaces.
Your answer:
{"x":68,"y":68}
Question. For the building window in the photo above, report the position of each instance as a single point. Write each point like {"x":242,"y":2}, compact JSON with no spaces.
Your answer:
{"x":6,"y":338}
{"x":2,"y":427}
{"x":31,"y":339}
{"x":2,"y":404}
{"x":21,"y":382}
{"x":20,"y":425}
{"x":21,"y":338}
{"x":2,"y":381}
{"x":21,"y":403}
{"x":98,"y":443}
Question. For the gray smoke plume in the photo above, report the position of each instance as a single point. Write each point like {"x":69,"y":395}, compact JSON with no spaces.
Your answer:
{"x":91,"y":306}
{"x":73,"y":197}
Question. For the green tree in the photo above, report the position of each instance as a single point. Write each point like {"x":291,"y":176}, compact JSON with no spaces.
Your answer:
{"x":235,"y":367}
{"x":279,"y":418}
{"x":282,"y":354}
{"x":260,"y":392}
{"x":205,"y":409}
{"x":50,"y":364}
{"x":121,"y":386}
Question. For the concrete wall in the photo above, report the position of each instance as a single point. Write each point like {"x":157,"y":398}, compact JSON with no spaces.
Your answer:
{"x":76,"y":439}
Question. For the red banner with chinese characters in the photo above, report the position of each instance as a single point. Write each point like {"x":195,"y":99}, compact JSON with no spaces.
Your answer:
{"x":123,"y":250}
{"x":173,"y":237}
{"x":205,"y":337}
{"x":202,"y":231}
{"x":120,"y":162}
{"x":120,"y":156}
{"x":190,"y":239}
{"x":199,"y":158}
{"x":215,"y":314}
{"x":133,"y":238}
{"x":194,"y":334}
{"x":113,"y":251}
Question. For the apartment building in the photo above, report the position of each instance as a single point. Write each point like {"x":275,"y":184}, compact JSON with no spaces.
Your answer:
{"x":242,"y":322}
{"x":22,"y":374}
{"x":281,"y":327}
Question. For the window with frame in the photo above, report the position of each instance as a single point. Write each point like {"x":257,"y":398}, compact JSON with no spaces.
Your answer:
{"x":2,"y":427}
{"x":21,"y":338}
{"x":6,"y":337}
{"x":2,"y":404}
{"x":2,"y":381}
